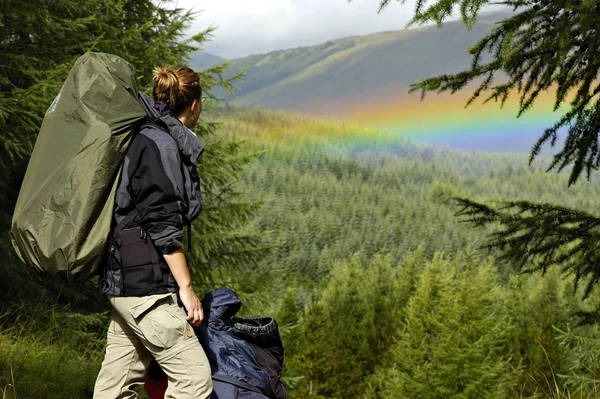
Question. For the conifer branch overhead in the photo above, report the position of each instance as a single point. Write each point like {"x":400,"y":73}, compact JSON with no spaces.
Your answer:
{"x":546,"y":45}
{"x":535,"y":237}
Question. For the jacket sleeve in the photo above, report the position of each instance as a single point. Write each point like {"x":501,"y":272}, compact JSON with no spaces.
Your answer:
{"x":156,"y":191}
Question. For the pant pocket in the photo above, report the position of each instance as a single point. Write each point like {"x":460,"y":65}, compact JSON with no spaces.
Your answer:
{"x":191,"y":373}
{"x":159,"y":322}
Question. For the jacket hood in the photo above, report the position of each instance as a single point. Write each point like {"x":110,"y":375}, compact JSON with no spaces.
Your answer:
{"x":189,"y":144}
{"x":220,"y":306}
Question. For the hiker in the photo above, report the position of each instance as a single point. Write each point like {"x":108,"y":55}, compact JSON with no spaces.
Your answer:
{"x":146,"y":277}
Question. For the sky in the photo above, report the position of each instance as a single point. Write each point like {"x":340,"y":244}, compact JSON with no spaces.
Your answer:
{"x":247,"y":27}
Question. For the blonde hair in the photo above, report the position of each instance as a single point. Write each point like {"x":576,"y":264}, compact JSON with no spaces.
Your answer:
{"x":178,"y":87}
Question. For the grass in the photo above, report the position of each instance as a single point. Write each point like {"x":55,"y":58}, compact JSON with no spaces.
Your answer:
{"x":33,"y":368}
{"x":9,"y":391}
{"x":47,"y":351}
{"x":552,"y":390}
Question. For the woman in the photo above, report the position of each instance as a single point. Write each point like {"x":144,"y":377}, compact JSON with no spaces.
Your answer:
{"x":146,"y":275}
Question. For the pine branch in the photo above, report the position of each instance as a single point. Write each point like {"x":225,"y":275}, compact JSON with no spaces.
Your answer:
{"x":535,"y":237}
{"x":545,"y":45}
{"x":581,"y":145}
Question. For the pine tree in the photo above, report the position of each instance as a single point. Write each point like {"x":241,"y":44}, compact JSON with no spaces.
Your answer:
{"x":537,"y":311}
{"x":452,"y":342}
{"x":544,"y":45}
{"x":347,"y":314}
{"x":312,"y":362}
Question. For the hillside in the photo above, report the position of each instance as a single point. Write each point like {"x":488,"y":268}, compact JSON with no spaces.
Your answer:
{"x":324,"y":77}
{"x":365,"y":80}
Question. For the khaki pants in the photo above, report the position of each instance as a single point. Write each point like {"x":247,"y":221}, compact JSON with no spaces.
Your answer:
{"x":142,"y":328}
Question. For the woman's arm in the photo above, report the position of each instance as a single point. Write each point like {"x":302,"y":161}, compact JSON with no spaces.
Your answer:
{"x":178,"y":265}
{"x":157,"y":187}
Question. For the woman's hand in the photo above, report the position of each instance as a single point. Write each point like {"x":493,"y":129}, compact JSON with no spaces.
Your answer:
{"x":192,"y":304}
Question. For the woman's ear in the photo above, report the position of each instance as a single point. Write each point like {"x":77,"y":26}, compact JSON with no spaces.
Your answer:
{"x":196,"y":107}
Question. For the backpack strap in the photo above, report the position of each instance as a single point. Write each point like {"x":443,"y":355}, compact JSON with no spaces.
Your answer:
{"x":126,"y":220}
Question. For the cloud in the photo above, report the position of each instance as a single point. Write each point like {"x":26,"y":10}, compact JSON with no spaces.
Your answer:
{"x":249,"y":27}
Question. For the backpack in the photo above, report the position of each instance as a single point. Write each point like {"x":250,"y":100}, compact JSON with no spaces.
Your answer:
{"x":64,"y":210}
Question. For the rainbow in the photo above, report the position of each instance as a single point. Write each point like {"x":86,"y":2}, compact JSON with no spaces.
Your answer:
{"x":442,"y":119}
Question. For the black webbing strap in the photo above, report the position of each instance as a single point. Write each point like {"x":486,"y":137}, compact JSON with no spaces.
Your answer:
{"x":189,"y":237}
{"x":158,"y":276}
{"x":126,"y":220}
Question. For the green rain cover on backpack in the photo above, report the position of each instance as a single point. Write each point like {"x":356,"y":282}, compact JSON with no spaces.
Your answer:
{"x":63,"y":214}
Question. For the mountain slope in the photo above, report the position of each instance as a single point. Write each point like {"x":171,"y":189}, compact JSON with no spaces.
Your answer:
{"x":324,"y":77}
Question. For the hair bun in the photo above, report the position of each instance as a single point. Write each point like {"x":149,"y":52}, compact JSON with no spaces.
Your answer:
{"x":178,"y":87}
{"x":173,"y":75}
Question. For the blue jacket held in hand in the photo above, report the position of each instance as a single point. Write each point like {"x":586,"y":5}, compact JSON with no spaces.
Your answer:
{"x":233,"y":362}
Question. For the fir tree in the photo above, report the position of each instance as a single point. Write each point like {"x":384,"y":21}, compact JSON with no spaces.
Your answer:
{"x":347,"y":315}
{"x":452,"y":342}
{"x":537,"y":310}
{"x":313,"y":366}
{"x":534,"y":237}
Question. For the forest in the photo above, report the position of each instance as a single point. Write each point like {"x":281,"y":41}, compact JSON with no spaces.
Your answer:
{"x":350,"y":237}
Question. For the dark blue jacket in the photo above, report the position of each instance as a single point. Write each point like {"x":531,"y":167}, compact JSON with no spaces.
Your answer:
{"x":235,"y":369}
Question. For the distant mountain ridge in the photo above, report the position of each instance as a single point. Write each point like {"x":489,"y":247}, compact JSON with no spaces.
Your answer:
{"x":320,"y":79}
{"x":202,"y":60}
